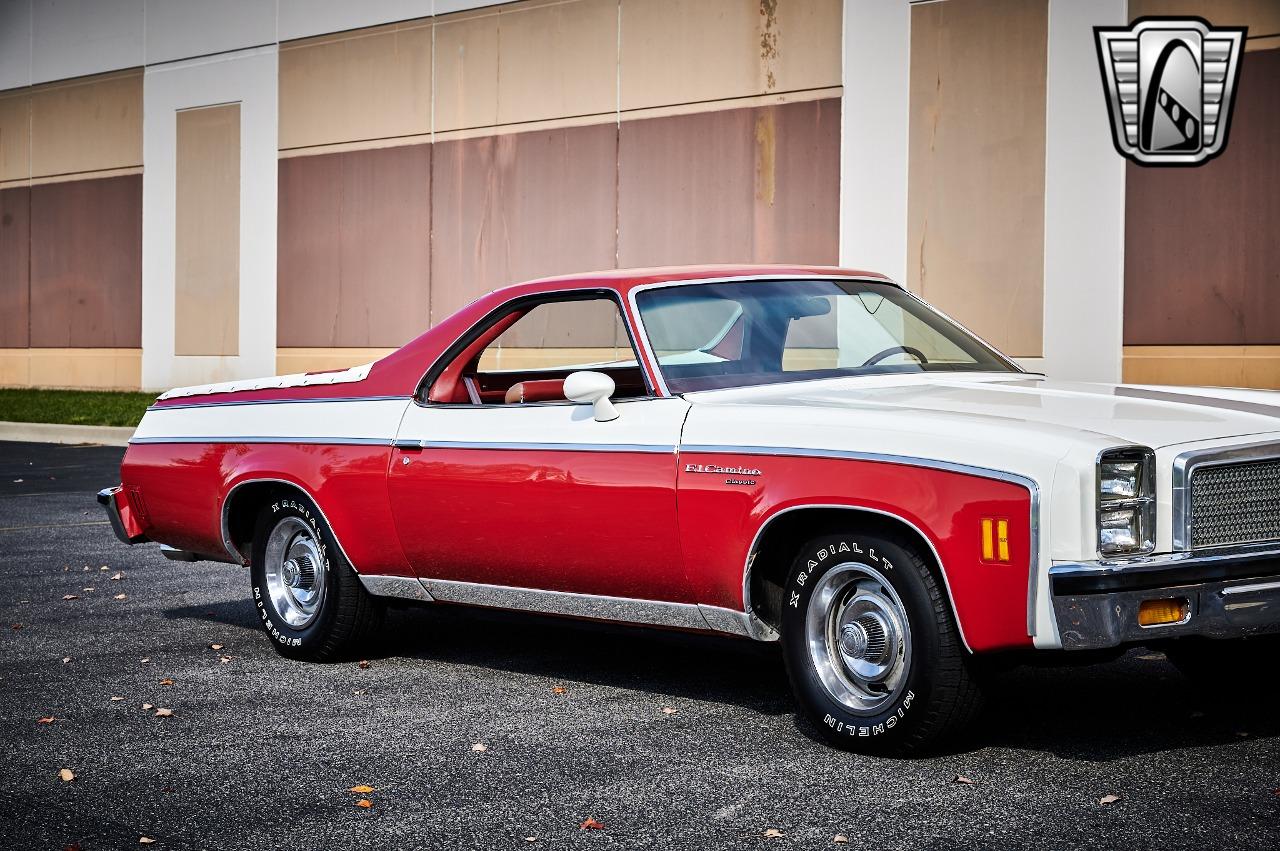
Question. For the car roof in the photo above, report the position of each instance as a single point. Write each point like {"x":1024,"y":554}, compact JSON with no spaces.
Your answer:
{"x":625,"y":280}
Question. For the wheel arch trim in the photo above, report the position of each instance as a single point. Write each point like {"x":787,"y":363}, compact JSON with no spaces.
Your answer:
{"x":227,"y":501}
{"x":768,"y":522}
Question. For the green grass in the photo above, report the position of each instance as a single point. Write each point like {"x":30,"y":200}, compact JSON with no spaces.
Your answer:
{"x":73,"y":407}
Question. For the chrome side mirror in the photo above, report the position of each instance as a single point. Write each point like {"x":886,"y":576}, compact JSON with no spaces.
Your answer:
{"x":593,"y":387}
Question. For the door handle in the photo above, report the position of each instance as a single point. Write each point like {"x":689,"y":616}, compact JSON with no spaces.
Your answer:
{"x":406,"y":445}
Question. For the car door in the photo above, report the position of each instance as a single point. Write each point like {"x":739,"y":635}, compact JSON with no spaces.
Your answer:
{"x":538,"y":494}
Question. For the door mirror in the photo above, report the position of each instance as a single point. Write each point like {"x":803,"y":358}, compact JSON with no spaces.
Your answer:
{"x":593,"y":387}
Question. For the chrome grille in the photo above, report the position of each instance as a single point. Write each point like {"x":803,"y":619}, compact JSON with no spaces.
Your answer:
{"x":1235,"y":504}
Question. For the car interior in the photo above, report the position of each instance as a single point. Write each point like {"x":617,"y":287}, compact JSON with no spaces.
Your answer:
{"x":523,"y":356}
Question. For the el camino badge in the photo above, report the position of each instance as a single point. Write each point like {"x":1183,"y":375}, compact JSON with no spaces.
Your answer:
{"x":737,"y":475}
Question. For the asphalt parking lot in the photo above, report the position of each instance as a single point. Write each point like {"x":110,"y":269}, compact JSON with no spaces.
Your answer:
{"x":489,"y":730}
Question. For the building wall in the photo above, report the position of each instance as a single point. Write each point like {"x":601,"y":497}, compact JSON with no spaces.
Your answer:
{"x":396,"y":158}
{"x":427,"y":162}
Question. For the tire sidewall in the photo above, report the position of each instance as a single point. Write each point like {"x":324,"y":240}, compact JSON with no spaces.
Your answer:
{"x":287,"y":638}
{"x":894,"y":721}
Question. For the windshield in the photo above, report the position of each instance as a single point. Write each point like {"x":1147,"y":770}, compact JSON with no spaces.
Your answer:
{"x":709,"y":336}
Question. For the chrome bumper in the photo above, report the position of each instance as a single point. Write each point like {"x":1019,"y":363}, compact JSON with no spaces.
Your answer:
{"x":1229,"y":595}
{"x":107,"y":499}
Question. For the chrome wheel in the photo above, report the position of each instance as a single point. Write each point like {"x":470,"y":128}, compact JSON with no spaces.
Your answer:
{"x":858,"y":636}
{"x":295,"y":573}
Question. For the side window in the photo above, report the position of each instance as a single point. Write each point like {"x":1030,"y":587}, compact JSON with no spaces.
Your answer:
{"x":561,"y":335}
{"x":529,"y":358}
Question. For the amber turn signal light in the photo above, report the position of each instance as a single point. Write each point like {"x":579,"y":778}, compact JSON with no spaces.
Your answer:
{"x":1160,"y":612}
{"x":995,"y":540}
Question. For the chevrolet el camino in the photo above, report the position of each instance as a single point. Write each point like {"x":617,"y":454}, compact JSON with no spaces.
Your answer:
{"x":805,"y":455}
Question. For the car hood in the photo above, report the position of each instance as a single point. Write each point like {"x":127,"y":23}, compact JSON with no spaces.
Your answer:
{"x":1132,"y":414}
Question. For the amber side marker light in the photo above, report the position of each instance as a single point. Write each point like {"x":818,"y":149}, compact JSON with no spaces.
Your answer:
{"x":995,"y":539}
{"x":1161,"y":612}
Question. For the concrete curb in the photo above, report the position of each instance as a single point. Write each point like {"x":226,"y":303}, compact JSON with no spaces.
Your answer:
{"x":55,"y":433}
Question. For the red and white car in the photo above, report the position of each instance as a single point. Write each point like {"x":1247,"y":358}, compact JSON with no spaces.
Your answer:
{"x":808,"y":455}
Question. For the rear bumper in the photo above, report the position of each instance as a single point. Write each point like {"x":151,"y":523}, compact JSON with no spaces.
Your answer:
{"x":1229,"y":595}
{"x":120,"y":513}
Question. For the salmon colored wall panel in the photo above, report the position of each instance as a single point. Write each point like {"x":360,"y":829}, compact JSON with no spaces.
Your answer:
{"x":367,"y":84}
{"x":736,"y":185}
{"x":1202,"y":258}
{"x":87,"y":125}
{"x":207,"y":225}
{"x":975,"y":196}
{"x":86,"y":263}
{"x":519,"y":206}
{"x":15,"y":270}
{"x":354,"y":248}
{"x":683,"y":51}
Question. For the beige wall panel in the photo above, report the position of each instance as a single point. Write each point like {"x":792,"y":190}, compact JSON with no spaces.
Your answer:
{"x":976,"y":169}
{"x":1211,"y":366}
{"x":526,"y":62}
{"x":292,"y":360}
{"x":368,"y":84}
{"x":467,"y":71}
{"x":1262,"y":17}
{"x":15,"y":135}
{"x":207,"y":277}
{"x":87,"y":125}
{"x":681,"y":51}
{"x":83,"y":369}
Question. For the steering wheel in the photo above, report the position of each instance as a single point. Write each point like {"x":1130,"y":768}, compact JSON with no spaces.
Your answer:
{"x":893,"y":350}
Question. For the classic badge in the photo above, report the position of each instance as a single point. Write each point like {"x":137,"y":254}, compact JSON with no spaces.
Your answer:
{"x":1169,"y":84}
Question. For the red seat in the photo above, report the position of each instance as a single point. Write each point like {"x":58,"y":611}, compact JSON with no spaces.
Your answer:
{"x":549,"y":390}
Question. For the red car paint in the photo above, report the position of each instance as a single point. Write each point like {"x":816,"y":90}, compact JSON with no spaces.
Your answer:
{"x":595,"y":523}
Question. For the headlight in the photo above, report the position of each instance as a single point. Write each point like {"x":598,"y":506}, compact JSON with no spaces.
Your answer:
{"x":1126,"y":502}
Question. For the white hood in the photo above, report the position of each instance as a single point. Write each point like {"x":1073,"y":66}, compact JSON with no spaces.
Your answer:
{"x":1124,"y":414}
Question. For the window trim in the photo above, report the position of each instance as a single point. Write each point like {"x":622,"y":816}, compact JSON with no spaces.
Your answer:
{"x":421,"y":395}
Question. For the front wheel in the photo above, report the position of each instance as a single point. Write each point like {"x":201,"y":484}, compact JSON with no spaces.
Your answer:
{"x":873,"y":655}
{"x":310,"y":599}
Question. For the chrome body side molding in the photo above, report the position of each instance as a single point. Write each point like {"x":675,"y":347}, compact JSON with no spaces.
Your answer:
{"x":591,"y":606}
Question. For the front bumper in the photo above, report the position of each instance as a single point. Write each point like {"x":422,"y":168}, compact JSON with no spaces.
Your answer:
{"x":1229,"y":595}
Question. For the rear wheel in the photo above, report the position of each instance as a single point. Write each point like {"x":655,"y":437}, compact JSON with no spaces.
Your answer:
{"x":310,"y":599}
{"x":871,"y":649}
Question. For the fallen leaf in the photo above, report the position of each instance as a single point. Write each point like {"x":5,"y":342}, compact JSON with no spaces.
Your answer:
{"x":66,"y":775}
{"x":88,"y":590}
{"x":225,"y":659}
{"x":667,"y":710}
{"x":559,"y":690}
{"x":66,"y":660}
{"x":73,"y":846}
{"x":166,"y":682}
{"x":361,"y":789}
{"x":1242,"y":734}
{"x":145,"y":660}
{"x":215,"y":646}
{"x":71,"y":596}
{"x":478,"y":747}
{"x":1108,"y":799}
{"x":591,"y":824}
{"x":358,"y":691}
{"x":116,"y":577}
{"x":115,"y":699}
{"x":531,"y":839}
{"x":364,"y":803}
{"x":960,"y":778}
{"x":17,"y":626}
{"x":773,"y":833}
{"x":48,"y":720}
{"x":163,"y":713}
{"x":120,"y":597}
{"x":364,"y":664}
{"x":147,"y":707}
{"x":145,"y":840}
{"x":840,"y":839}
